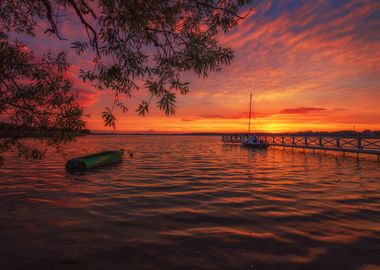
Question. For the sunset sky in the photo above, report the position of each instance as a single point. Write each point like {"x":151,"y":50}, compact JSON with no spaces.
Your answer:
{"x":310,"y":65}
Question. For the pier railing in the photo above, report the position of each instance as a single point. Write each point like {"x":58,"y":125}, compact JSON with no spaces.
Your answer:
{"x":342,"y":144}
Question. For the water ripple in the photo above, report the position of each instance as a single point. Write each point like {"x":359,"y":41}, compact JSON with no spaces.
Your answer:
{"x":187,"y":202}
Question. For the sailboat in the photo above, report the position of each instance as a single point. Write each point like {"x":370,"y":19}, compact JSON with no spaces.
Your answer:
{"x":253,"y":141}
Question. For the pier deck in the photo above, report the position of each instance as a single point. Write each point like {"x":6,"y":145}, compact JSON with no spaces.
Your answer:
{"x":361,"y":145}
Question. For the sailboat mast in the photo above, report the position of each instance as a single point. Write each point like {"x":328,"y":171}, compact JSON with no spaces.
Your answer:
{"x":250,"y":106}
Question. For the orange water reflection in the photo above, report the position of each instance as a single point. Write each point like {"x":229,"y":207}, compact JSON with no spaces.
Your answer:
{"x":191,"y":201}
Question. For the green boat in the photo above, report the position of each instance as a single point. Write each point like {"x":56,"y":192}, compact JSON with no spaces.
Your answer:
{"x":95,"y":160}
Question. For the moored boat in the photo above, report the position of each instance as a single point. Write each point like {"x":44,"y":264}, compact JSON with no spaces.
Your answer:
{"x":253,"y":141}
{"x":95,"y":160}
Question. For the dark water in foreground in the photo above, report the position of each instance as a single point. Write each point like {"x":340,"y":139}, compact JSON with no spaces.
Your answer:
{"x":190,"y":203}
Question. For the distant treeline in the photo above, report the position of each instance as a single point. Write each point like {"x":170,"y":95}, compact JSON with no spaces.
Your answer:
{"x":8,"y":130}
{"x":342,"y":133}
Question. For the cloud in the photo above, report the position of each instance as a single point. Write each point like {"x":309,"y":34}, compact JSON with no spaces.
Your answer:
{"x":313,"y":45}
{"x":87,"y":93}
{"x":188,"y":119}
{"x":301,"y":110}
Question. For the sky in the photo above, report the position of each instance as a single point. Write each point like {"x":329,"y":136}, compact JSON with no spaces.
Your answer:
{"x":310,"y":65}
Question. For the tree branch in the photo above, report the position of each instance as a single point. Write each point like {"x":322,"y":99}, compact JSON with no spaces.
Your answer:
{"x":49,"y":14}
{"x":94,"y":39}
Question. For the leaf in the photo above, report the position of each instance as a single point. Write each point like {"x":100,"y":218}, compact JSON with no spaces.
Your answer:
{"x":143,"y":108}
{"x":121,"y":106}
{"x":167,"y":103}
{"x":108,"y":118}
{"x":79,"y":46}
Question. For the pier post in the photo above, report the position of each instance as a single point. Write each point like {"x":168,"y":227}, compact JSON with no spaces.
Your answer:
{"x":360,"y":147}
{"x":305,"y":145}
{"x":293,"y":143}
{"x":337,"y":142}
{"x":320,"y":142}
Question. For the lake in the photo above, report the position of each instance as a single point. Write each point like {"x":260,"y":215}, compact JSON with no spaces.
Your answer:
{"x":190,"y":202}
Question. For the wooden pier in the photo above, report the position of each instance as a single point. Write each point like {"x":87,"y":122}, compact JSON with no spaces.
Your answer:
{"x":360,"y":145}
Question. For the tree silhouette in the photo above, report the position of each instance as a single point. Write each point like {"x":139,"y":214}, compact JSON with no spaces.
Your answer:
{"x":136,"y":44}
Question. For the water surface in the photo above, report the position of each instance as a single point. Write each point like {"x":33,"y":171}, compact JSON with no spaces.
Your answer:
{"x":190,"y":202}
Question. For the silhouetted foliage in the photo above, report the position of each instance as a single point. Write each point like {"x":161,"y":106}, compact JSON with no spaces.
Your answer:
{"x":34,"y":95}
{"x":136,"y":43}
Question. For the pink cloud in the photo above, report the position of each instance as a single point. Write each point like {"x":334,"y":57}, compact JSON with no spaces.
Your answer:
{"x":301,"y":110}
{"x":87,"y":93}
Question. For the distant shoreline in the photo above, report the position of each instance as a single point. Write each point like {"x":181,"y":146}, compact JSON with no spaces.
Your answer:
{"x":7,"y":131}
{"x":346,"y":134}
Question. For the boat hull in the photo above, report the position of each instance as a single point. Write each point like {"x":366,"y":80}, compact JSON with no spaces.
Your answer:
{"x":256,"y":145}
{"x":95,"y":160}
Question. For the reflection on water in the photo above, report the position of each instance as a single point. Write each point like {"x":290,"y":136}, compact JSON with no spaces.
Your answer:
{"x":188,"y":202}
